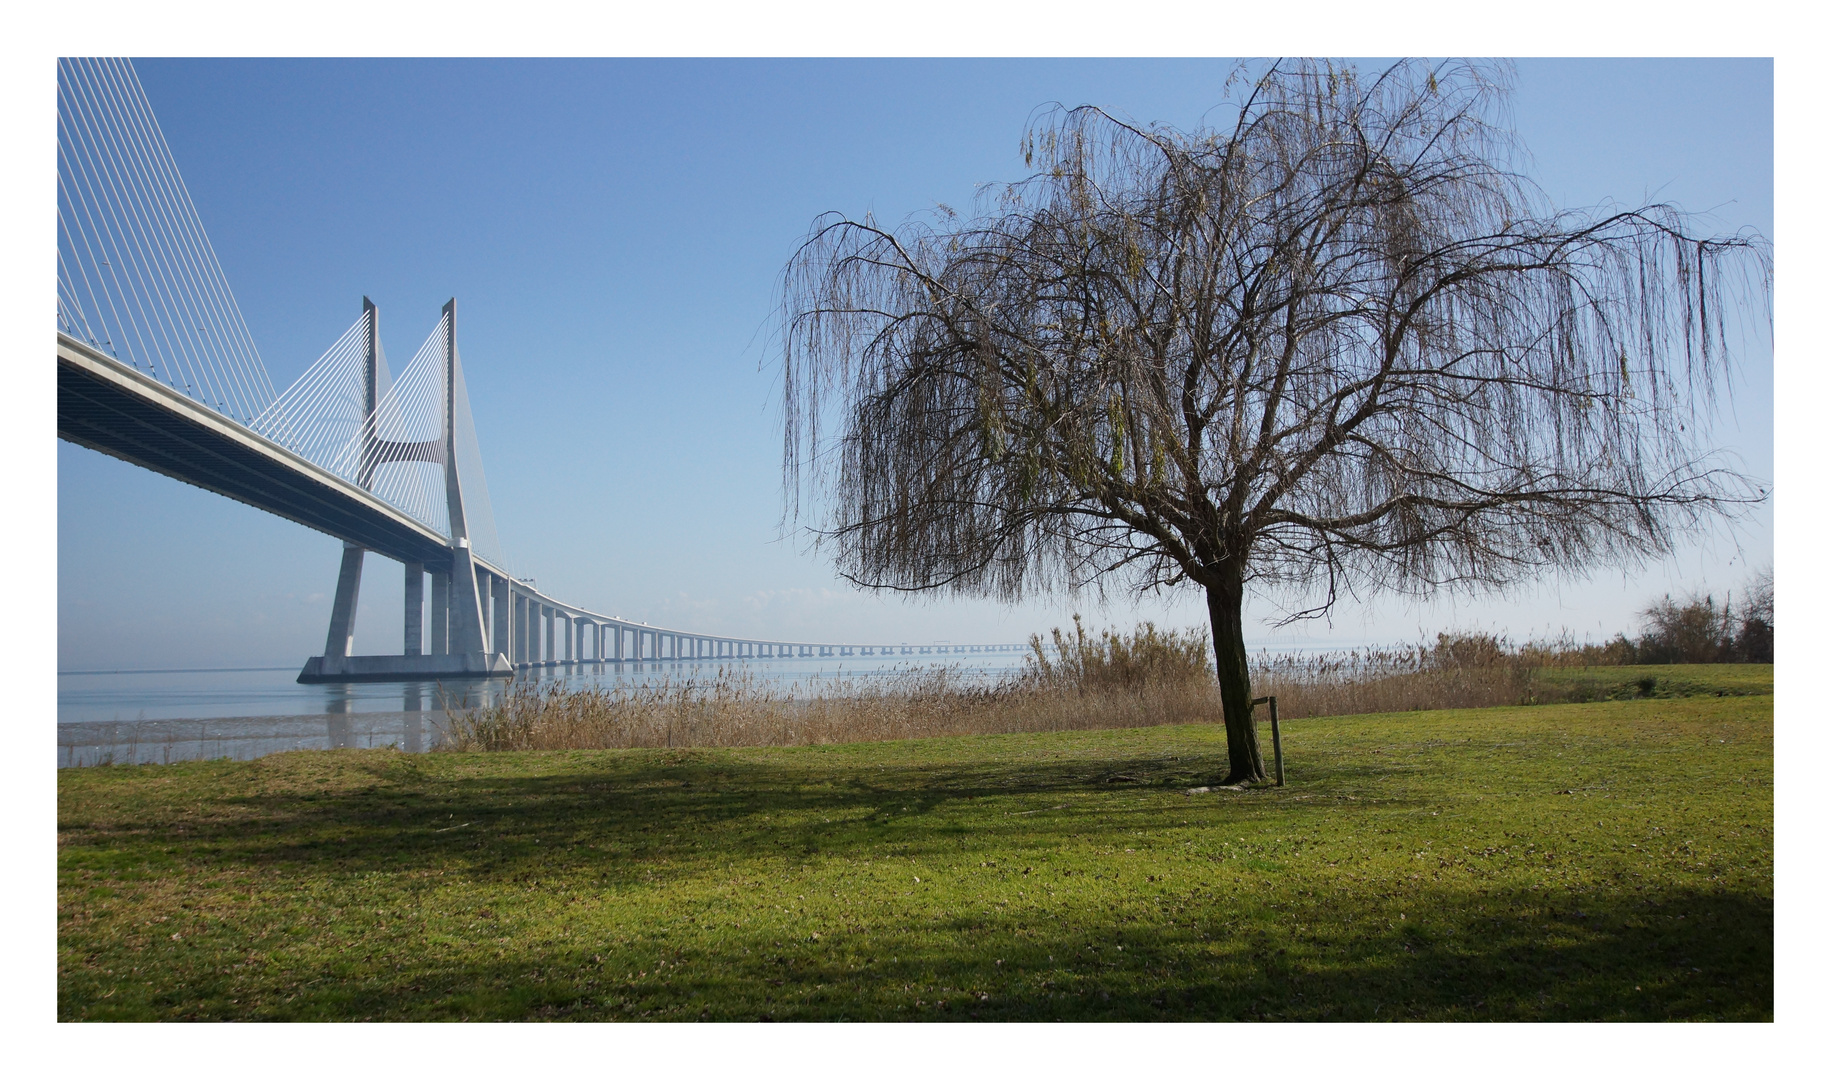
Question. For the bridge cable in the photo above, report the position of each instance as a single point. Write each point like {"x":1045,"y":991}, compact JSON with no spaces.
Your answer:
{"x":138,"y":277}
{"x":194,"y":248}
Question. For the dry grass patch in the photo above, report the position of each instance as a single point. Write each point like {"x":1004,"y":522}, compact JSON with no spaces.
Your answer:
{"x":736,"y":708}
{"x":1077,"y":682}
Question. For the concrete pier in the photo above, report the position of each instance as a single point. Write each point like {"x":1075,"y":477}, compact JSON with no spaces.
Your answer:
{"x":415,"y":600}
{"x":471,"y":665}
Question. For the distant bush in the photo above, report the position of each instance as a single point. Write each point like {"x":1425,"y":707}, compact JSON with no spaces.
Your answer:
{"x":1697,"y":631}
{"x":1755,"y":635}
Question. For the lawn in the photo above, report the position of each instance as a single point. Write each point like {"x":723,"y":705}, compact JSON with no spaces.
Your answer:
{"x":1658,"y":681}
{"x":1611,"y":860}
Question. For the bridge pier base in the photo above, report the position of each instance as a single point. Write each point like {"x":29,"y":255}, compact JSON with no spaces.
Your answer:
{"x":474,"y":665}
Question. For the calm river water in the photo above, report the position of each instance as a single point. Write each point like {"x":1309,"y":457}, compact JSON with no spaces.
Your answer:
{"x":161,"y":716}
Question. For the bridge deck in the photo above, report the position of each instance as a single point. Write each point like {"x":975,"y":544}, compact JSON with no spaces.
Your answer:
{"x":107,"y":406}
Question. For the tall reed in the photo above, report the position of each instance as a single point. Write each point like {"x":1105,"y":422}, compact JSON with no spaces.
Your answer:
{"x":737,"y":708}
{"x":1078,"y":681}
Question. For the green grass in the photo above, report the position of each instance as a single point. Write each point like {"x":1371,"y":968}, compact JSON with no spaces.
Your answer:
{"x":1595,"y":861}
{"x":1633,"y":681}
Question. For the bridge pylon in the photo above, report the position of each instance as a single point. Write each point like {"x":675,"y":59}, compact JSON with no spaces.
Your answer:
{"x":156,"y":367}
{"x":461,"y":589}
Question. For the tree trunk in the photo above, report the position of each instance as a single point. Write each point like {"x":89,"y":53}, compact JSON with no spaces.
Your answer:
{"x":1224,"y":614}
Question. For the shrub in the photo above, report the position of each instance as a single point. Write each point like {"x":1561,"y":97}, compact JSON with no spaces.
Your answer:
{"x":1755,"y":638}
{"x":1697,"y":631}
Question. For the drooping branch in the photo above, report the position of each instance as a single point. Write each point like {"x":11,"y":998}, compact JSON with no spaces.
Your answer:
{"x":1338,"y":340}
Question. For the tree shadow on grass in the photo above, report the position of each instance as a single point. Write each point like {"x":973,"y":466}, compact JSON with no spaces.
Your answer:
{"x":689,"y":810}
{"x":1622,"y":957}
{"x":624,"y":826}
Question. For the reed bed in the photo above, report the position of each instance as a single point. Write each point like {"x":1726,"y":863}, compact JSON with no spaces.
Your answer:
{"x":736,"y":708}
{"x":1077,"y":681}
{"x":1459,"y":673}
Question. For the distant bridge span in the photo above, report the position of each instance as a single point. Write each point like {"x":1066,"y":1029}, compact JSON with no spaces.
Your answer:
{"x":156,"y":366}
{"x":107,"y":406}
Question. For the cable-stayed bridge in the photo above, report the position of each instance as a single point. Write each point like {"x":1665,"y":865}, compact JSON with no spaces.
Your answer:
{"x":156,"y":366}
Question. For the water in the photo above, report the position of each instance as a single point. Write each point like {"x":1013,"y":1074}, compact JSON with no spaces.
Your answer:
{"x":143,"y":717}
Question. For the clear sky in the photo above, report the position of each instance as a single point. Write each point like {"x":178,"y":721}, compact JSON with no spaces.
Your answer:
{"x":613,"y":232}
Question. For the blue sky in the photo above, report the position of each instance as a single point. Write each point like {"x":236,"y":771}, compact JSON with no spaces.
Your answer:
{"x":613,"y":232}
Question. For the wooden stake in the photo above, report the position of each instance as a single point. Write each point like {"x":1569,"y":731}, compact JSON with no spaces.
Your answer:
{"x":1277,"y":743}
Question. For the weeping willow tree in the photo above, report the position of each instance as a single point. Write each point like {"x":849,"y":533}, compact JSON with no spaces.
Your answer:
{"x":1338,"y":343}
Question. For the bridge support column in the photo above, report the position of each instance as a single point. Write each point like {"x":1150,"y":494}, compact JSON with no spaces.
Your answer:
{"x":522,"y":626}
{"x":499,"y":612}
{"x":532,"y":645}
{"x":415,"y":599}
{"x":343,"y":605}
{"x":513,"y":641}
{"x":440,"y":609}
{"x":466,"y":625}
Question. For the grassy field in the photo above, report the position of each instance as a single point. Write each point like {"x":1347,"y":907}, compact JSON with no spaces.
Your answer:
{"x":1632,"y":681}
{"x":1592,"y":861}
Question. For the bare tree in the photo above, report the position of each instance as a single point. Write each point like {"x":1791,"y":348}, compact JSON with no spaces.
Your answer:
{"x":1340,"y":343}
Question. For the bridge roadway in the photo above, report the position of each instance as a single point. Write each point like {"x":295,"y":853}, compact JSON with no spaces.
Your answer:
{"x":108,"y":406}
